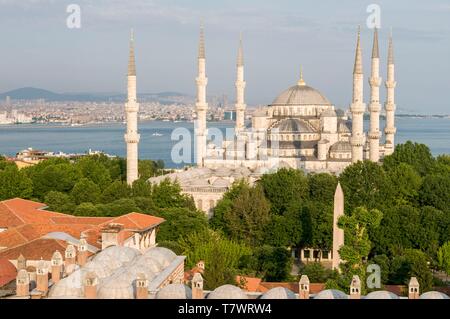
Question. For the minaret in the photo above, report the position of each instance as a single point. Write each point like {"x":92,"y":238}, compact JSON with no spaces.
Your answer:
{"x":375,"y":106}
{"x":132,"y":108}
{"x":358,"y":107}
{"x":240,"y":87}
{"x":390,"y":101}
{"x":338,"y":233}
{"x":201,"y":106}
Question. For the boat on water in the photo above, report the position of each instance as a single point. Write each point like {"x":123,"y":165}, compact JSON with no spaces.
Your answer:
{"x":157,"y":134}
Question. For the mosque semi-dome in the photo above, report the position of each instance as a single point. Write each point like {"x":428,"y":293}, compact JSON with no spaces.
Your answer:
{"x":294,"y":125}
{"x":227,"y":292}
{"x":301,"y":94}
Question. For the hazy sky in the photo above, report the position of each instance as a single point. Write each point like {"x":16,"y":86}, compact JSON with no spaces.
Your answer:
{"x":37,"y":49}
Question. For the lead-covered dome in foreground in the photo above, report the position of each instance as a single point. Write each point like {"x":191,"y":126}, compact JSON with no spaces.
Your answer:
{"x":227,"y":292}
{"x":278,"y":293}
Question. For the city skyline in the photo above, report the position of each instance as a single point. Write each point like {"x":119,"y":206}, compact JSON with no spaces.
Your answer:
{"x":277,"y":40}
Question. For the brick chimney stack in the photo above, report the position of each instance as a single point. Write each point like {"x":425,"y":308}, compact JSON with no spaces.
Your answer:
{"x":22,"y":284}
{"x":112,"y":235}
{"x":413,"y":288}
{"x":82,"y":252}
{"x":90,"y":286}
{"x":197,"y":286}
{"x":70,"y":259}
{"x":303,"y":287}
{"x":355,"y":288}
{"x":57,"y":266}
{"x":42,"y":277}
{"x":141,"y":286}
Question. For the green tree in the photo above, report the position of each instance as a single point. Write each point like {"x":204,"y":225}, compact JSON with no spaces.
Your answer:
{"x":116,"y":190}
{"x":117,"y":208}
{"x":271,"y":263}
{"x":283,"y":187}
{"x":322,"y":187}
{"x":86,"y":209}
{"x":141,"y":188}
{"x":181,"y":222}
{"x":435,"y":191}
{"x":249,"y":216}
{"x":357,"y":245}
{"x":365,"y":184}
{"x":92,"y":168}
{"x":59,"y":202}
{"x":415,"y":154}
{"x":443,"y":257}
{"x":411,"y":263}
{"x":147,"y":169}
{"x":217,"y":273}
{"x":167,"y":194}
{"x":405,"y":184}
{"x":224,"y":206}
{"x":284,"y":231}
{"x":4,"y":163}
{"x":14,"y":183}
{"x":57,"y":176}
{"x":84,"y":191}
{"x":318,"y":273}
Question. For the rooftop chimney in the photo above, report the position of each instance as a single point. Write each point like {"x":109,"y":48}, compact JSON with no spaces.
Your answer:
{"x":303,"y":287}
{"x":111,"y":235}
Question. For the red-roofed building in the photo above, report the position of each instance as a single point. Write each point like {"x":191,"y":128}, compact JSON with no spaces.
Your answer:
{"x":27,"y":228}
{"x":8,"y":272}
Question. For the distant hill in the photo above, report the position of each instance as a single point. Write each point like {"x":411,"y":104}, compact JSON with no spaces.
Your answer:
{"x":31,"y":93}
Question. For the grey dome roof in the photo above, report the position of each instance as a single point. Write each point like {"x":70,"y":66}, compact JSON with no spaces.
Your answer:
{"x":331,"y":294}
{"x":174,"y":291}
{"x":278,"y":293}
{"x":163,"y":255}
{"x":293,"y":125}
{"x":434,"y":295}
{"x":301,"y":95}
{"x":381,"y":294}
{"x":71,"y":286}
{"x":227,"y":292}
{"x":341,"y":147}
{"x":117,"y":256}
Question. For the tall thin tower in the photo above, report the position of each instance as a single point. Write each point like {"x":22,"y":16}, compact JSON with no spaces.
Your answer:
{"x":240,"y":88}
{"x":358,"y":106}
{"x":132,"y":108}
{"x":338,"y":233}
{"x":201,"y":106}
{"x":375,"y":106}
{"x":389,"y":106}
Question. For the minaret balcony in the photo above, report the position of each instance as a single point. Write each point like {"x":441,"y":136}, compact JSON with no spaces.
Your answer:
{"x":357,"y":141}
{"x":375,"y":107}
{"x":132,"y":138}
{"x":391,"y":84}
{"x":389,"y":107}
{"x":357,"y":108}
{"x":374,"y":135}
{"x":390,"y":130}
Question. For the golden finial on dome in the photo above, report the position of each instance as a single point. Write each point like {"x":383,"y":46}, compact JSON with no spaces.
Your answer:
{"x":301,"y":82}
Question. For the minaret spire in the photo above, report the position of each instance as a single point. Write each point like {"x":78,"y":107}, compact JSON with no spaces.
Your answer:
{"x":201,"y":106}
{"x":375,"y":106}
{"x":240,"y":89}
{"x":357,"y":107}
{"x":358,"y":67}
{"x":131,"y":109}
{"x":390,"y":106}
{"x":131,"y":61}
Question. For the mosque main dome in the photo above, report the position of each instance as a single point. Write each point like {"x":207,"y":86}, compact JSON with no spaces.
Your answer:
{"x":301,"y":94}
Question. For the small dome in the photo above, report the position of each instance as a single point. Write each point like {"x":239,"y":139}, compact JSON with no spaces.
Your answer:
{"x":301,"y":95}
{"x":331,"y":294}
{"x":434,"y":295}
{"x":100,"y":268}
{"x":117,"y":256}
{"x":278,"y":293}
{"x":227,"y":292}
{"x":70,"y":286}
{"x":221,"y":182}
{"x":341,"y":147}
{"x":174,"y":291}
{"x":293,"y":126}
{"x":163,"y":255}
{"x":116,"y":287}
{"x":381,"y":294}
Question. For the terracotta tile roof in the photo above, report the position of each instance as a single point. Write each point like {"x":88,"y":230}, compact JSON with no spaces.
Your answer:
{"x":17,"y":211}
{"x":251,"y":284}
{"x":8,"y":272}
{"x":35,"y":249}
{"x":11,"y":238}
{"x":80,"y":220}
{"x":136,"y":221}
{"x":254,"y":286}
